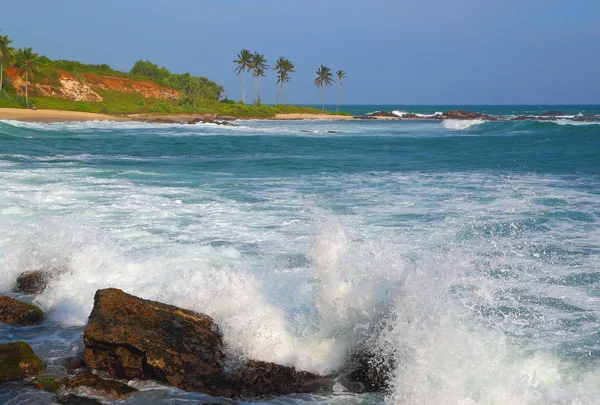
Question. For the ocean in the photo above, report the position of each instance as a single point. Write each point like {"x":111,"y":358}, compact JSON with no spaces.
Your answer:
{"x":476,"y":244}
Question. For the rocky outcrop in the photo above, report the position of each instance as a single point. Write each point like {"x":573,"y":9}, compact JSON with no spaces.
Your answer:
{"x":385,"y":114}
{"x":369,"y":372}
{"x":18,"y":361}
{"x":16,"y":312}
{"x":121,"y":84}
{"x":71,"y":399}
{"x":130,"y":337}
{"x":32,"y":282}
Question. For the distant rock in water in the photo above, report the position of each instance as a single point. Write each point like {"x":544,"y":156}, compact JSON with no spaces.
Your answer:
{"x":386,"y":114}
{"x":20,"y":313}
{"x":130,"y":337}
{"x":18,"y":361}
{"x":462,"y":115}
{"x":552,"y":114}
{"x":33,"y":282}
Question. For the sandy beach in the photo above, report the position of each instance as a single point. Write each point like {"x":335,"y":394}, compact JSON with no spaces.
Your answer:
{"x":47,"y":116}
{"x":295,"y":116}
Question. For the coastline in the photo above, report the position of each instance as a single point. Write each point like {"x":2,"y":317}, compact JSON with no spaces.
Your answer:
{"x":50,"y":116}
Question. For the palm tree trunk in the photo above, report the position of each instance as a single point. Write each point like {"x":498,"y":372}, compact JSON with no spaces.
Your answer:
{"x":1,"y":72}
{"x":337,"y":106}
{"x":26,"y":85}
{"x":277,"y":97}
{"x":285,"y":93}
{"x":323,"y":97}
{"x":243,"y":86}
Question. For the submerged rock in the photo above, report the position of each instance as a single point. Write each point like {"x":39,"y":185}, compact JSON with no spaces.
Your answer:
{"x":370,"y":372}
{"x":16,"y":312}
{"x":98,"y":386}
{"x":32,"y":282}
{"x":130,"y":337}
{"x":258,"y":378}
{"x":71,"y":399}
{"x":72,"y":364}
{"x":92,"y":383}
{"x":18,"y":361}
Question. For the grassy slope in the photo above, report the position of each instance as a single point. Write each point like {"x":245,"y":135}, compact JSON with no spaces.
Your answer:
{"x":118,"y":103}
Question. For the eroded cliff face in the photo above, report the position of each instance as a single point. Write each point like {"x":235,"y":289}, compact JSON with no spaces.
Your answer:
{"x":85,"y":89}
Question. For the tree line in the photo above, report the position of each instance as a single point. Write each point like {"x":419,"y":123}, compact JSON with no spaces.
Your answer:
{"x":23,"y":58}
{"x":248,"y":61}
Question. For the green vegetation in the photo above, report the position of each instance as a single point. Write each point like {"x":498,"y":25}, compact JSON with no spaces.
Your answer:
{"x":324,"y":78}
{"x":42,"y":81}
{"x":47,"y":383}
{"x":243,"y":61}
{"x":27,"y":62}
{"x":6,"y":55}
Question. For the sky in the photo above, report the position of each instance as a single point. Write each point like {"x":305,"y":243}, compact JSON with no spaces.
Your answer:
{"x":403,"y":52}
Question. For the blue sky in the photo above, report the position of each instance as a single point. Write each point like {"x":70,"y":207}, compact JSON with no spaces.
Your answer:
{"x":394,"y":52}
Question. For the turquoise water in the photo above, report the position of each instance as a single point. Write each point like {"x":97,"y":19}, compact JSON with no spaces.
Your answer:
{"x":477,"y":243}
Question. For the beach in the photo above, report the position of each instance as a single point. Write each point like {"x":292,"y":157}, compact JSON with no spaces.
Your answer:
{"x":48,"y":116}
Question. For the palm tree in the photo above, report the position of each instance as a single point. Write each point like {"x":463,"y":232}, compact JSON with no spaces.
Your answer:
{"x":243,"y":62}
{"x":288,"y":68}
{"x":341,"y":75}
{"x":6,"y":54}
{"x":28,"y":64}
{"x":281,"y":75}
{"x":324,"y":78}
{"x":259,"y":65}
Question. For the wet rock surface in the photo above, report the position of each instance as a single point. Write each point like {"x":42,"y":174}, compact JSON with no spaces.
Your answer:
{"x":32,"y":282}
{"x":15,"y":312}
{"x":130,"y":337}
{"x":18,"y":361}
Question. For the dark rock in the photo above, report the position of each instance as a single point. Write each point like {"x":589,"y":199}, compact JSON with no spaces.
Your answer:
{"x":163,"y":121}
{"x":384,"y":114}
{"x":462,"y":115}
{"x":370,"y":372}
{"x":16,"y":312}
{"x":72,"y":364}
{"x":258,"y":378}
{"x":71,"y":399}
{"x":364,"y":117}
{"x":332,"y":132}
{"x":521,"y":118}
{"x":98,"y":386}
{"x":552,"y":114}
{"x":135,"y":338}
{"x":32,"y":282}
{"x":410,"y":116}
{"x":18,"y":361}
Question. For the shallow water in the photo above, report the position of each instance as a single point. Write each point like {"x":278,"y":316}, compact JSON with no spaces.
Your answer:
{"x":476,"y":242}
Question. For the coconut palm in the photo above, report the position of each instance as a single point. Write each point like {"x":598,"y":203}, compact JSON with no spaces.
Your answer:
{"x":6,"y":55}
{"x":288,"y":68}
{"x":243,"y":61}
{"x":259,"y":66}
{"x":28,"y":64}
{"x":341,"y":75}
{"x":281,"y":75}
{"x":324,"y":78}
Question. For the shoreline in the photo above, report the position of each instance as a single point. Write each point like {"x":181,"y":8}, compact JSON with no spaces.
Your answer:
{"x":51,"y":116}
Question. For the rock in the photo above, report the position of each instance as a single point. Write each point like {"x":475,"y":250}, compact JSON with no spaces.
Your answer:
{"x":135,"y":338}
{"x":71,"y":399}
{"x":72,"y":364}
{"x":98,"y":386}
{"x":16,"y":312}
{"x":521,"y":118}
{"x":384,"y":114}
{"x":370,"y":372}
{"x":332,"y":132}
{"x":94,"y":385}
{"x":18,"y":361}
{"x":364,"y":117}
{"x":462,"y":115}
{"x":32,"y":282}
{"x":261,"y":378}
{"x":130,"y":337}
{"x":552,"y":114}
{"x":47,"y":383}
